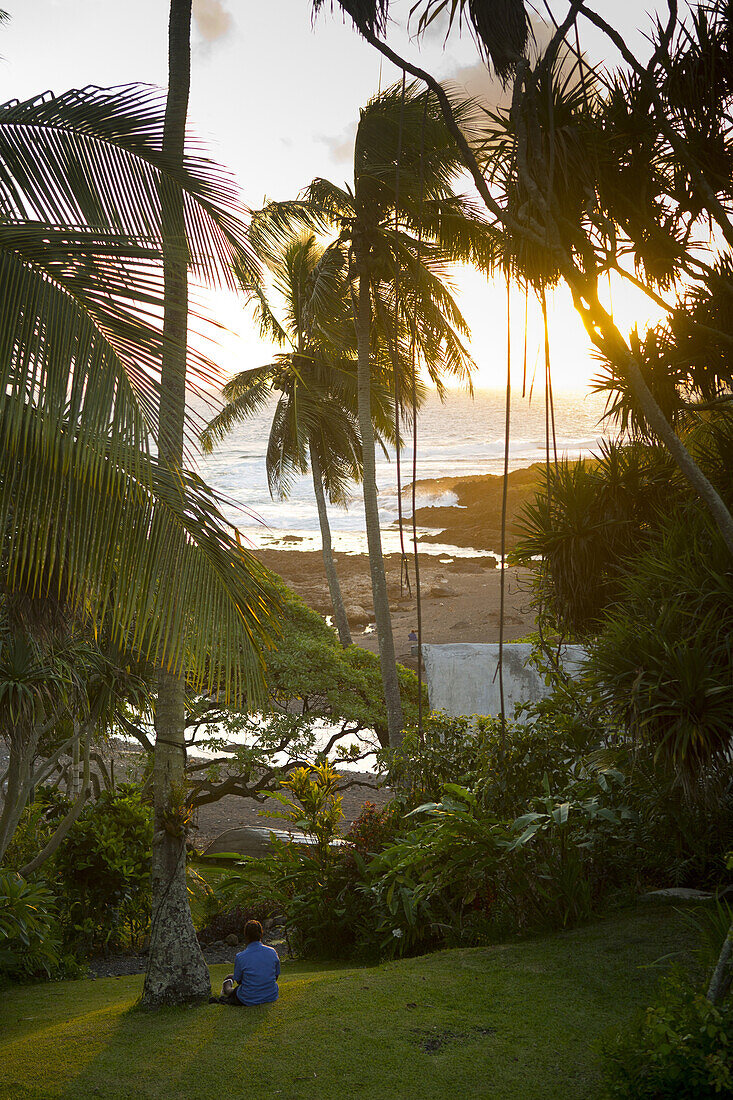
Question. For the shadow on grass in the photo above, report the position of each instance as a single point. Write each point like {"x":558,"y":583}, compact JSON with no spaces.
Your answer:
{"x":114,"y":1049}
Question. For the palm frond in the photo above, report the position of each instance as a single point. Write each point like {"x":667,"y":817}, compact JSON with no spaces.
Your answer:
{"x":246,"y":394}
{"x":151,"y":554}
{"x":94,"y":157}
{"x":501,"y":27}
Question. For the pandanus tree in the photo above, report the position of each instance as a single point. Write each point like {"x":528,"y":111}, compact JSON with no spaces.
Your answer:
{"x":677,"y":135}
{"x":400,"y":226}
{"x":649,"y":186}
{"x":315,"y":415}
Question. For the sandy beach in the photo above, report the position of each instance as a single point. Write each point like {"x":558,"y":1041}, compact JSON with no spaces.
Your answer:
{"x":460,"y":596}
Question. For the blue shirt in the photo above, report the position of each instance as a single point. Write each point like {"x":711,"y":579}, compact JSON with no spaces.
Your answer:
{"x":256,"y":969}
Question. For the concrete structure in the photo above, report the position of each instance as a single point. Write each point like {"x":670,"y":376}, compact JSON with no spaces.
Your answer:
{"x":463,"y":678}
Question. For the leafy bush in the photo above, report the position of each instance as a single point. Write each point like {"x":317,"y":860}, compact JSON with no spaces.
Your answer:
{"x":465,"y":873}
{"x":509,"y":766}
{"x":429,"y":884}
{"x":230,"y":902}
{"x":103,"y":872}
{"x":662,"y":661}
{"x":37,"y":823}
{"x":680,"y":1049}
{"x":681,"y":840}
{"x":29,"y":929}
{"x":323,"y":889}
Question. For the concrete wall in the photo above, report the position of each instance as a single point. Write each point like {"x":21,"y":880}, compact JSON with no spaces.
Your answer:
{"x":463,"y":678}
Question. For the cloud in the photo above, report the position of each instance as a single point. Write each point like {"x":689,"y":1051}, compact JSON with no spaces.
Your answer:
{"x":340,"y":147}
{"x":481,"y":84}
{"x":212,"y":19}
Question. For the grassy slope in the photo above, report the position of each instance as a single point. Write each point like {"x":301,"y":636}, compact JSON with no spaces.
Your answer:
{"x":336,"y":1033}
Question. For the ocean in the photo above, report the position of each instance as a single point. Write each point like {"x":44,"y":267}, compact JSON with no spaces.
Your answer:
{"x":464,"y":435}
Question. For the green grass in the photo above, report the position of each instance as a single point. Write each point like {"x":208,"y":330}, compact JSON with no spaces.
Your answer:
{"x":519,"y":1021}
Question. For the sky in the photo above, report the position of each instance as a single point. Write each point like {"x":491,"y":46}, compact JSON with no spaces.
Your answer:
{"x":277,"y":99}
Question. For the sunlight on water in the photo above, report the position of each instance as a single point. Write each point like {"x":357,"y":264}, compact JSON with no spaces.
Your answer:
{"x":462,"y":437}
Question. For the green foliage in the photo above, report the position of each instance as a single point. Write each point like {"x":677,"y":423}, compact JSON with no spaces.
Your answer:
{"x":475,"y":751}
{"x":37,"y":823}
{"x":680,"y":1049}
{"x":663,"y":660}
{"x":308,"y":664}
{"x":103,"y":872}
{"x":680,"y":840}
{"x":323,"y":889}
{"x":30,"y":938}
{"x":584,"y":523}
{"x":302,"y":875}
{"x":312,"y":804}
{"x":465,"y":873}
{"x":224,"y":919}
{"x":635,"y":566}
{"x":425,"y":883}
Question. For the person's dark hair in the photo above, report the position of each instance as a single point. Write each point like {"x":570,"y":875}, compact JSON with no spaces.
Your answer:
{"x":252,"y":931}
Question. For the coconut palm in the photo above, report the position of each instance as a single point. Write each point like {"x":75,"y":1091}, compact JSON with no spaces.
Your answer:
{"x":315,"y":418}
{"x":95,"y":508}
{"x":401,"y":224}
{"x":176,"y":971}
{"x":88,"y":510}
{"x":500,"y":27}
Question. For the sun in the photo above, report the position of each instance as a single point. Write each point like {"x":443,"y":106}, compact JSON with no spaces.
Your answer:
{"x":484,"y":305}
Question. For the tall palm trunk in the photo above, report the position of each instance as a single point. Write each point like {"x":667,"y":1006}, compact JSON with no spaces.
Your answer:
{"x":176,"y":972}
{"x":337,"y":602}
{"x":387,"y":660}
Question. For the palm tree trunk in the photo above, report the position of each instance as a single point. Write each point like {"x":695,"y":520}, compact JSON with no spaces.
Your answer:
{"x":177,"y":972}
{"x":387,"y":660}
{"x":16,"y":795}
{"x":337,"y":602}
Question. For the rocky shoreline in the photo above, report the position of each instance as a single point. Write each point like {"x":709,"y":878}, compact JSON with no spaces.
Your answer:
{"x":475,"y":519}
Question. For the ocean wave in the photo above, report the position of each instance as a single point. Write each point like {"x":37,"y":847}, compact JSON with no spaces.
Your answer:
{"x":460,"y":438}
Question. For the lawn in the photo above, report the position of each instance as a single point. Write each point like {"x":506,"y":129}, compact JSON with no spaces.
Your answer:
{"x":519,"y":1021}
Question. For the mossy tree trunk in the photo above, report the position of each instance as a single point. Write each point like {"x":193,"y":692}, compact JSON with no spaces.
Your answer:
{"x":177,"y":972}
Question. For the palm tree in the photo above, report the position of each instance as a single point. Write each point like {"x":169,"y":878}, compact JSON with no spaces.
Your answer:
{"x":88,"y":511}
{"x":315,"y":419}
{"x":400,"y":226}
{"x":177,"y":971}
{"x":90,"y":514}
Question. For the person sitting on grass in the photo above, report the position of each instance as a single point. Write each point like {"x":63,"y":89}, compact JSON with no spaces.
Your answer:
{"x":256,"y":969}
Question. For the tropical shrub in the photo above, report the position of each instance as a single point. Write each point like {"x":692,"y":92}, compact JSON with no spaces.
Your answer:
{"x":322,"y":889}
{"x":230,"y":919}
{"x":681,"y":1048}
{"x":431,"y":881}
{"x":663,"y":661}
{"x":30,"y":939}
{"x":476,"y":752}
{"x":465,"y":874}
{"x":585,"y":521}
{"x":103,"y":872}
{"x":680,"y":840}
